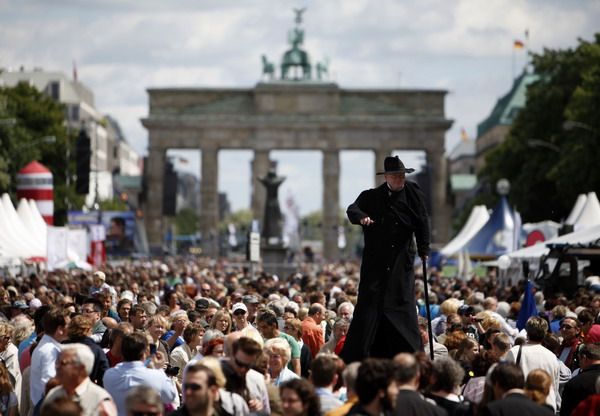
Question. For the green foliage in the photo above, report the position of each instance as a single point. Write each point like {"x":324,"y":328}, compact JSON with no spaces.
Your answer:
{"x":36,"y":116}
{"x":242,"y":219}
{"x":546,"y":182}
{"x":115,"y":204}
{"x":186,"y":222}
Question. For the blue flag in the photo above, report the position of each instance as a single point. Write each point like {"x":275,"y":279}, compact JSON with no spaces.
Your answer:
{"x":528,"y":308}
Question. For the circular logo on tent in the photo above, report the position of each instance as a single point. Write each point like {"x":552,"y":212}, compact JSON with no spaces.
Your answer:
{"x":534,"y":237}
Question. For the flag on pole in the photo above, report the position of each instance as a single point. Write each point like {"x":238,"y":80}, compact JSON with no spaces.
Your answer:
{"x":518,"y":44}
{"x":463,"y":135}
{"x":528,"y":308}
{"x":74,"y":71}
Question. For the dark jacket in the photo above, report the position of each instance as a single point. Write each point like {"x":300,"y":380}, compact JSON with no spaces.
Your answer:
{"x":305,"y":360}
{"x":578,"y":389}
{"x":100,"y":359}
{"x":386,"y":288}
{"x":516,"y":404}
{"x":411,"y":403}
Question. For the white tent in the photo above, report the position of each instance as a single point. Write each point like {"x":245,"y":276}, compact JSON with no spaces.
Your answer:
{"x":479,"y":216}
{"x":35,"y":248}
{"x":32,"y":226}
{"x":584,"y":236}
{"x":590,"y":213}
{"x":576,"y":210}
{"x":14,"y":242}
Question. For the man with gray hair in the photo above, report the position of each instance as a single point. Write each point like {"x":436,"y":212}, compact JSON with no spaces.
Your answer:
{"x":73,"y":367}
{"x":143,"y":400}
{"x":340,"y":329}
{"x":346,"y":310}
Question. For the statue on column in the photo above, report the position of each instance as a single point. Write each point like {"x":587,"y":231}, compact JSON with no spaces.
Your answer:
{"x":272,"y":229}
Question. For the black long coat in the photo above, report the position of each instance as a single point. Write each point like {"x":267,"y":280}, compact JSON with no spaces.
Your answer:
{"x":386,"y":288}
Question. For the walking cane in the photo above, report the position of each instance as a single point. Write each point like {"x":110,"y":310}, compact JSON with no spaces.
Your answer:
{"x":429,"y":329}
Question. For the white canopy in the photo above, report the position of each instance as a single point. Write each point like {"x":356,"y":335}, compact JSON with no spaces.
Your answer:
{"x":576,"y":210}
{"x":590,"y":213}
{"x":479,"y":216}
{"x":584,"y":236}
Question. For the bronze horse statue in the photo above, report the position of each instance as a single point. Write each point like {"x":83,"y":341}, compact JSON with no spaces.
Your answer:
{"x":268,"y":67}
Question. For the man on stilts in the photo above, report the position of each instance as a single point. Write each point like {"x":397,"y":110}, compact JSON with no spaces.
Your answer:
{"x":393,"y":216}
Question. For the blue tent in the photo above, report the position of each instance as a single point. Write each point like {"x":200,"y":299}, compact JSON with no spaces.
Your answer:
{"x":496,"y":236}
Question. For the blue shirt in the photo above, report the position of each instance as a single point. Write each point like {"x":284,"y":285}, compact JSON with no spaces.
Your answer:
{"x":121,"y":378}
{"x":168,"y":335}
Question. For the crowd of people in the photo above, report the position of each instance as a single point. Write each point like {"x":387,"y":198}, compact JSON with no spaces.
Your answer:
{"x":202,"y":337}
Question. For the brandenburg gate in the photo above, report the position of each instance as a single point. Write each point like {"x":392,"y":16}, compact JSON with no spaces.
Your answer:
{"x":292,"y":113}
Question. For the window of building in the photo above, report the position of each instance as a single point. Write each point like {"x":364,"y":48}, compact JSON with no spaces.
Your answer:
{"x":55,"y":90}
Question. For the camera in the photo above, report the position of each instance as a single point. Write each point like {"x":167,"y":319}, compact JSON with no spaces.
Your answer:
{"x":171,"y":371}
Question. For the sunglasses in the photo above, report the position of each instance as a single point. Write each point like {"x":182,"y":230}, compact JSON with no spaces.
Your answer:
{"x":566,"y":327}
{"x":191,"y":386}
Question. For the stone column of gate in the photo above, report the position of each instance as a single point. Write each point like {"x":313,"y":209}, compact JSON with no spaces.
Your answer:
{"x":260,"y":168}
{"x":440,"y":217}
{"x":380,"y":155}
{"x":209,"y":202}
{"x":331,"y":203}
{"x":154,"y":202}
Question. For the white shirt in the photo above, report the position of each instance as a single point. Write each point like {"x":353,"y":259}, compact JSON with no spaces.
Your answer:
{"x":43,"y":362}
{"x":535,"y":356}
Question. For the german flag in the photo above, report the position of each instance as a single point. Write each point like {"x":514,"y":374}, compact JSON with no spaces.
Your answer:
{"x":518,"y":44}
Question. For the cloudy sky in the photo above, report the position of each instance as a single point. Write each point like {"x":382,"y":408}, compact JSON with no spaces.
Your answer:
{"x":123,"y":47}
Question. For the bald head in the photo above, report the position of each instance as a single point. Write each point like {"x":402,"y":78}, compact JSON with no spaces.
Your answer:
{"x":317,"y":312}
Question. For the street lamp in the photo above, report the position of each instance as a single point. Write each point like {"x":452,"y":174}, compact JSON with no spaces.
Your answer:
{"x":569,"y":125}
{"x":542,"y":143}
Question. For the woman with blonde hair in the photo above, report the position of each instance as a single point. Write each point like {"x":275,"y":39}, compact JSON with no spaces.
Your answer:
{"x":221,"y":321}
{"x":537,"y":386}
{"x":8,"y":398}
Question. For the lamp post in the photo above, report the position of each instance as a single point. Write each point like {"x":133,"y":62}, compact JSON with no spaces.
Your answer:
{"x":569,"y":125}
{"x":543,"y":143}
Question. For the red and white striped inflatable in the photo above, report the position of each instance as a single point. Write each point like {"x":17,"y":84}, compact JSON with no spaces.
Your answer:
{"x":34,"y":181}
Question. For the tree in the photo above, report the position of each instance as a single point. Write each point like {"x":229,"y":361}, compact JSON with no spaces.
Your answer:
{"x":545,"y":180}
{"x":34,"y":116}
{"x":186,"y":222}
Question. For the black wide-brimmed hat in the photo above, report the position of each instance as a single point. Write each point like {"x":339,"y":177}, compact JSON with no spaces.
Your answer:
{"x":393,"y":164}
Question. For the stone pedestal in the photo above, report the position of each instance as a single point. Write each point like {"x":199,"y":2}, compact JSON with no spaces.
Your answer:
{"x":274,"y":261}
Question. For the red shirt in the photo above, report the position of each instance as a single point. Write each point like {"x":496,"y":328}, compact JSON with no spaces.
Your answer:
{"x":312,"y":335}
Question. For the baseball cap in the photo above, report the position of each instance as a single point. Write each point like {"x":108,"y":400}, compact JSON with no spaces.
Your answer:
{"x":100,"y":275}
{"x":202,"y":304}
{"x":35,"y":303}
{"x":19,"y":304}
{"x":239,"y":306}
